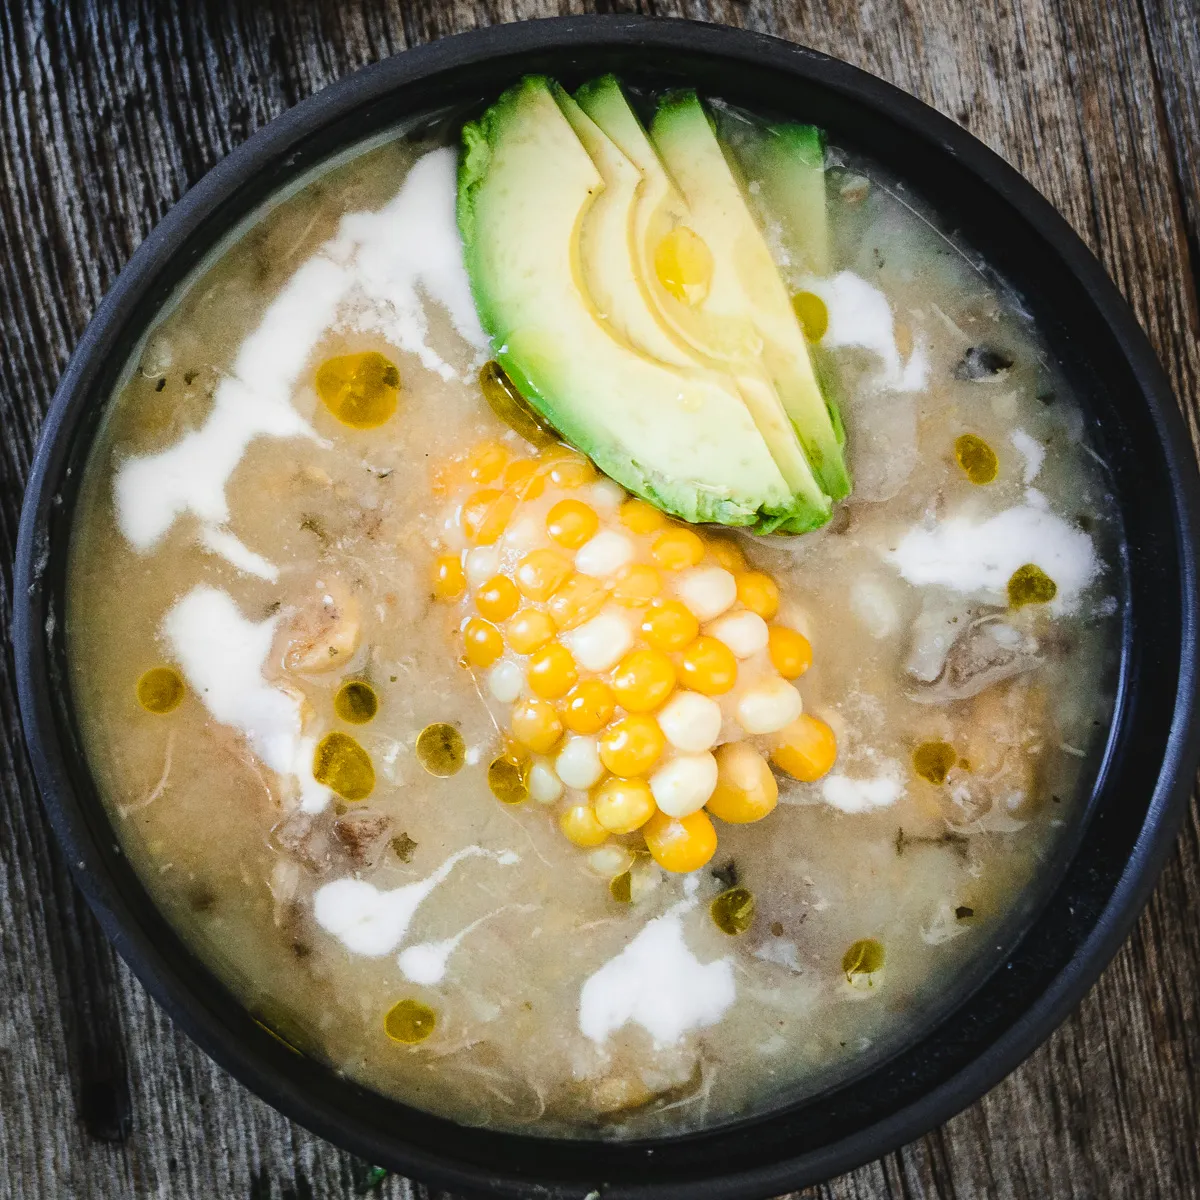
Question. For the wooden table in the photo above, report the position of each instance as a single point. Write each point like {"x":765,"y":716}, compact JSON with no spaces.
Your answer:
{"x":108,"y":112}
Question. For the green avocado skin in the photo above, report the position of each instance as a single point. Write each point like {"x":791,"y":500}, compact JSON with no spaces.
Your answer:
{"x":683,"y":499}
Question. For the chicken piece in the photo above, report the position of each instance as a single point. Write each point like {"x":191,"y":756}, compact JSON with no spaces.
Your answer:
{"x":324,"y":635}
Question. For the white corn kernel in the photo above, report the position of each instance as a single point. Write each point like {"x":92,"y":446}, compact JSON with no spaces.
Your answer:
{"x":769,"y":706}
{"x":745,"y":633}
{"x":683,"y":785}
{"x":690,"y":721}
{"x":524,"y":534}
{"x":482,"y":563}
{"x":505,"y":681}
{"x":605,"y":554}
{"x":544,"y":785}
{"x":610,"y":860}
{"x":707,"y":591}
{"x":606,"y":496}
{"x":578,"y":764}
{"x":598,"y":644}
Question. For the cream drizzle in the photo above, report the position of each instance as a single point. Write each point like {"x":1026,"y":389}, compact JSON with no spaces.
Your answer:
{"x":374,"y":270}
{"x":373,"y":922}
{"x":222,"y":655}
{"x":658,"y":983}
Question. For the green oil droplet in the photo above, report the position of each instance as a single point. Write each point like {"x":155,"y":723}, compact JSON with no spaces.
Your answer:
{"x":341,"y":764}
{"x":621,"y":888}
{"x":356,"y":702}
{"x":812,"y":314}
{"x":862,"y":962}
{"x":361,"y":390}
{"x":733,"y":910}
{"x":160,"y":690}
{"x":932,"y":761}
{"x":511,"y":407}
{"x":509,"y":779}
{"x":441,"y":749}
{"x":409,"y":1022}
{"x":1030,"y":585}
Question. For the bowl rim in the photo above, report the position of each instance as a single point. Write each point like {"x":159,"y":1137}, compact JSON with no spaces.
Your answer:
{"x":257,"y":1068}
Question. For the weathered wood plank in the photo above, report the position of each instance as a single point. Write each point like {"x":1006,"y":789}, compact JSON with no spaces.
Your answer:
{"x":108,"y":112}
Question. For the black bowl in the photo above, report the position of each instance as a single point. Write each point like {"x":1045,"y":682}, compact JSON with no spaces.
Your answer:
{"x":1140,"y":788}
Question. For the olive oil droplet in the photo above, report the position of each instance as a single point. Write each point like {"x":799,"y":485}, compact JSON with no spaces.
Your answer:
{"x":341,"y":764}
{"x":1030,"y":585}
{"x":361,"y":390}
{"x":621,"y":888}
{"x":684,"y":265}
{"x":356,"y":702}
{"x":862,"y":962}
{"x":812,"y":314}
{"x":733,"y":910}
{"x":441,"y":749}
{"x":511,"y":407}
{"x":976,"y":458}
{"x":932,"y":761}
{"x":160,"y":690}
{"x":409,"y":1022}
{"x":509,"y":779}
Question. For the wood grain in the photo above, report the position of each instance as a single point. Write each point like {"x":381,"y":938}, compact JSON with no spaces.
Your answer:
{"x":109,"y":111}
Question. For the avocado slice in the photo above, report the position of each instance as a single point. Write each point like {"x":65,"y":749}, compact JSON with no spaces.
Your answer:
{"x":684,"y":138}
{"x":681,"y":439}
{"x":606,"y":243}
{"x":725,"y":337}
{"x":618,"y":270}
{"x":784,"y":167}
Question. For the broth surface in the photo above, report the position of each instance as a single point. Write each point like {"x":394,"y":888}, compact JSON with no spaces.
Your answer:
{"x":455,"y":951}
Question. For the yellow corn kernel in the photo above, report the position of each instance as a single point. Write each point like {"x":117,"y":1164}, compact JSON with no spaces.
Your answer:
{"x":578,"y":600}
{"x":486,"y":513}
{"x":486,"y":462}
{"x":680,"y":844}
{"x":758,"y":593}
{"x":571,"y":523}
{"x":708,"y":666}
{"x":498,"y":599}
{"x":483,"y":642}
{"x":541,"y":573}
{"x":589,"y":706}
{"x":746,"y":790}
{"x":670,"y":625}
{"x":449,"y":582}
{"x":636,"y":583}
{"x":684,"y":265}
{"x":529,"y":630}
{"x":551,"y":672}
{"x":523,"y":479}
{"x":675,"y":549}
{"x":790,"y":651}
{"x":806,"y":749}
{"x":570,"y":470}
{"x":639,"y":517}
{"x":726,"y":554}
{"x":536,"y":725}
{"x":643,"y":680}
{"x":623,"y":805}
{"x":632,"y":745}
{"x":579,"y":825}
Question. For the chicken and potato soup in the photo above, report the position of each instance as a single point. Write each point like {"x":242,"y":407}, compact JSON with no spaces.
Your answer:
{"x":597,"y":624}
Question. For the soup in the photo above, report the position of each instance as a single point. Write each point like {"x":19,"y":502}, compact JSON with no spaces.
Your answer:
{"x":591,"y":627}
